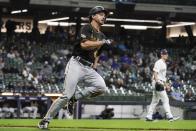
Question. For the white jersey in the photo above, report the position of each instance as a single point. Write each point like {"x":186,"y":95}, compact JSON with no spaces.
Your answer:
{"x":161,"y":68}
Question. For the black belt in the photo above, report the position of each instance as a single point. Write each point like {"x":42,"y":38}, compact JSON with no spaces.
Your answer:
{"x":83,"y":61}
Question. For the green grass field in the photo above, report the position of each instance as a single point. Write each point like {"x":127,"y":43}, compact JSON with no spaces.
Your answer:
{"x":97,"y":125}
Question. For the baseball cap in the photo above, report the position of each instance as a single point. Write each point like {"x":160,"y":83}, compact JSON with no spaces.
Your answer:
{"x":164,"y":52}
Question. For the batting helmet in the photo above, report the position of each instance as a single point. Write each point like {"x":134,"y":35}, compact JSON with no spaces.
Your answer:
{"x":98,"y":9}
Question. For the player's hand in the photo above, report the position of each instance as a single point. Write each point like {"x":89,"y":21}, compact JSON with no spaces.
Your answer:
{"x":94,"y":66}
{"x":167,"y":86}
{"x":107,"y":41}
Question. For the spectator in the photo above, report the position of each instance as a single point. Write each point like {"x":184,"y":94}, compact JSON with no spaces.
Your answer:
{"x":176,"y":94}
{"x":10,"y":26}
{"x":62,"y":114}
{"x":157,"y":116}
{"x":189,"y":96}
{"x":8,"y":110}
{"x":32,"y":108}
{"x":11,"y":54}
{"x":107,"y":113}
{"x":48,"y":34}
{"x":1,"y":24}
{"x":2,"y":64}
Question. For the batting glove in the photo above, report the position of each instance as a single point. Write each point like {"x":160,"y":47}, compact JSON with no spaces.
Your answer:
{"x":107,"y":41}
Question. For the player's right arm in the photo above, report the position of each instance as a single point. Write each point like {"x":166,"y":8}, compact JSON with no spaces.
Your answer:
{"x":155,"y":71}
{"x":155,"y":74}
{"x":88,"y":44}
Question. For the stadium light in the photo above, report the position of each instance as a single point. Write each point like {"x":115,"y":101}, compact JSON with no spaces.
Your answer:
{"x":9,"y":94}
{"x":134,"y":27}
{"x":154,"y":27}
{"x":143,"y":27}
{"x":53,"y":23}
{"x":52,"y":20}
{"x":66,"y":23}
{"x":19,"y":11}
{"x":105,"y":25}
{"x":54,"y":13}
{"x":111,"y":13}
{"x":108,"y":25}
{"x":16,"y":12}
{"x":60,"y":23}
{"x":25,"y":10}
{"x":53,"y":94}
{"x":181,"y":24}
{"x":134,"y":20}
{"x":127,"y":20}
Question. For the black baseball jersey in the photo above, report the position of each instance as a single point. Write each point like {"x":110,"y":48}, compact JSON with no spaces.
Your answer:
{"x":88,"y":33}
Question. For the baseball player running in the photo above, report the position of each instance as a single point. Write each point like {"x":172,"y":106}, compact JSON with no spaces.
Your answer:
{"x":160,"y":86}
{"x":81,"y":66}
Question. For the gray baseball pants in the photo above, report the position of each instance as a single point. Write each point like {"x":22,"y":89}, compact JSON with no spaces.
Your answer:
{"x":74,"y":73}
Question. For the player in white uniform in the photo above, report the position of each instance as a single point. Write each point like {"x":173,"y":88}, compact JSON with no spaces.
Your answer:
{"x":160,"y":86}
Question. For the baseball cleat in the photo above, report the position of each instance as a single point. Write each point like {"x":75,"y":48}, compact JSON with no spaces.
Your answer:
{"x":70,"y":110}
{"x":43,"y":124}
{"x":149,"y":119}
{"x":173,"y":119}
{"x":69,"y":116}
